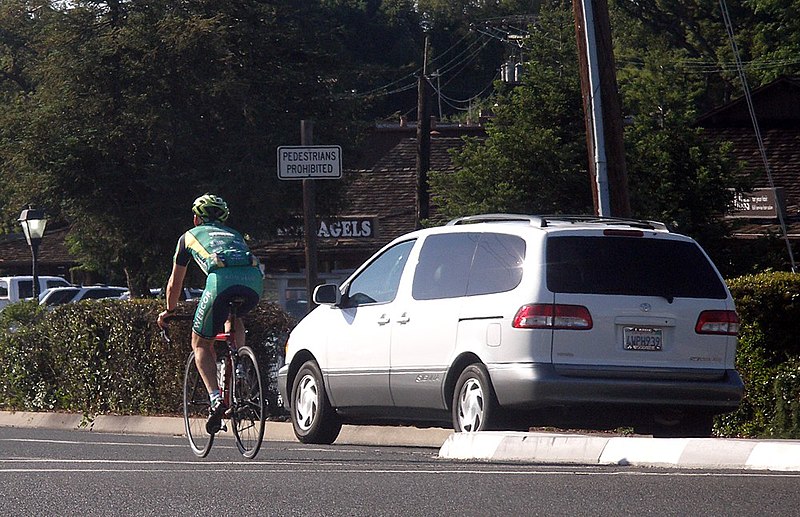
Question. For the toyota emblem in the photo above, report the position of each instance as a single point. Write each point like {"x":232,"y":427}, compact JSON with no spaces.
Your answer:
{"x":645,"y":307}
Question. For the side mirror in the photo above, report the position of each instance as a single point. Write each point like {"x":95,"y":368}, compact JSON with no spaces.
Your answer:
{"x":327,"y":294}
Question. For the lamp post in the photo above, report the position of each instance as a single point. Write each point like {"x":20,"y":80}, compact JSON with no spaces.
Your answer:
{"x":33,"y":222}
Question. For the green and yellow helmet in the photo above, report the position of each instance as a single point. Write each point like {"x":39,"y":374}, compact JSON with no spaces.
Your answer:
{"x":209,"y":207}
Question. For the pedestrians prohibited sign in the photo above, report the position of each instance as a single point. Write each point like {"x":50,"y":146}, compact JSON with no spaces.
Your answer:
{"x":309,"y":162}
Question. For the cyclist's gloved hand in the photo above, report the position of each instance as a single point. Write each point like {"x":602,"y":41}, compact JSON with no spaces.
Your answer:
{"x":163,"y":318}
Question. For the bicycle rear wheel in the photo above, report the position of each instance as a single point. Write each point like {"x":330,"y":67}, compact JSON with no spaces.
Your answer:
{"x":249,"y":412}
{"x":195,"y":410}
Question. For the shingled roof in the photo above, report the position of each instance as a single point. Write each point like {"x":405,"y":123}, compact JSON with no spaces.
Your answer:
{"x":777,"y":108}
{"x":53,"y":256}
{"x":388,"y":190}
{"x":385,"y":192}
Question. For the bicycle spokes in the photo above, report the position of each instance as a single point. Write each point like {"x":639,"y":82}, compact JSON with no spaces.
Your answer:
{"x":195,"y":409}
{"x":248,"y":416}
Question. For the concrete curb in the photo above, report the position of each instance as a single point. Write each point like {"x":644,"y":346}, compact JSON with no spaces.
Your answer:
{"x":173,"y":426}
{"x":708,"y":453}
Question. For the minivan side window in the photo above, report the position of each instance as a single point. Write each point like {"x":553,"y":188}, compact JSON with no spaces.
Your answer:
{"x":497,"y":266}
{"x":3,"y":289}
{"x":379,"y":281}
{"x":466,"y":264}
{"x":443,"y":267}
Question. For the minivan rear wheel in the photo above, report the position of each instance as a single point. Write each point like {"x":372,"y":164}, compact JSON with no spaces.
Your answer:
{"x":475,"y":406}
{"x":313,"y":418}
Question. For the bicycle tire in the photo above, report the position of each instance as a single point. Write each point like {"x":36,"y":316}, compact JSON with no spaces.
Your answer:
{"x":196,"y":405}
{"x":248,"y":417}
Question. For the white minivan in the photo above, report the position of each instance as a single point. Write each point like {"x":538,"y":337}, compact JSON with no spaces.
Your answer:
{"x":511,"y":321}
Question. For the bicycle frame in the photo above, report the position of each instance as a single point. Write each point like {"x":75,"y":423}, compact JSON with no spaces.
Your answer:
{"x":241,"y":386}
{"x":230,"y":360}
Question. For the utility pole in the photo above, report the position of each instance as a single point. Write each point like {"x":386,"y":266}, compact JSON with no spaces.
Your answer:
{"x":309,"y":218}
{"x":601,"y":106}
{"x":423,"y":141}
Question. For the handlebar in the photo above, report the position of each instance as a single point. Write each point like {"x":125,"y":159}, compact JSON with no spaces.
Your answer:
{"x":170,"y":319}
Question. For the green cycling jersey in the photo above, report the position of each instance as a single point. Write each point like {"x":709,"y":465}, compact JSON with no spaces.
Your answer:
{"x":231,"y":268}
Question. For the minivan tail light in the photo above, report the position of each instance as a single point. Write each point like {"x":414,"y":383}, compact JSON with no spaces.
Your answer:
{"x":552,"y":316}
{"x":623,"y":233}
{"x":718,"y":322}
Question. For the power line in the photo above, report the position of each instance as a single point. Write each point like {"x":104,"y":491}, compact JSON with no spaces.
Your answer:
{"x":740,"y":68}
{"x":380,"y":91}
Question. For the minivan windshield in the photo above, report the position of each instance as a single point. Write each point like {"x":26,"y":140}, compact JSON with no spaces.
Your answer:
{"x":631,"y":266}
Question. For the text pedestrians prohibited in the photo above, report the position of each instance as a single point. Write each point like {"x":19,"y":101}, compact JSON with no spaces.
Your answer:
{"x":309,"y":162}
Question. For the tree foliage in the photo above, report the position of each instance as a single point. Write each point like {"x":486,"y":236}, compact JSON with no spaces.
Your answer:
{"x":114,"y":114}
{"x":133,"y":109}
{"x":534,"y":159}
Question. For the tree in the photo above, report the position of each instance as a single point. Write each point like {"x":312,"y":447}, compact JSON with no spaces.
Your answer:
{"x":534,"y":161}
{"x":676,"y":175}
{"x":534,"y":158}
{"x":767,"y":34}
{"x":137,"y":108}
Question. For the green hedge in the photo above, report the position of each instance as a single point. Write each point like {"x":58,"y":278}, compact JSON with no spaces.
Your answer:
{"x":108,"y":356}
{"x":768,"y":357}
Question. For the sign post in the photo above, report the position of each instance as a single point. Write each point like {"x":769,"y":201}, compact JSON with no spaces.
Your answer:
{"x":308,"y":162}
{"x":309,"y":218}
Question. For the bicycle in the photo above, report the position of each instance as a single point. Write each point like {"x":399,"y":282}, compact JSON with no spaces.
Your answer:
{"x":242,"y":389}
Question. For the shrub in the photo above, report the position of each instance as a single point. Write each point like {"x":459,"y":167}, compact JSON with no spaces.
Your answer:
{"x":770,"y":302}
{"x":768,"y":357}
{"x":108,"y":356}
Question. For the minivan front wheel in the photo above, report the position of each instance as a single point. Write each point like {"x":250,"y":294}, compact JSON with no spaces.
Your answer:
{"x":475,"y":406}
{"x":313,"y":418}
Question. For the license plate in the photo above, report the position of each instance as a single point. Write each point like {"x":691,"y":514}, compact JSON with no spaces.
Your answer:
{"x":642,"y":338}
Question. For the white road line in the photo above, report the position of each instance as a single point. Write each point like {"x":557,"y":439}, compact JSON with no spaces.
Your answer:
{"x":288,"y":467}
{"x":75,"y":442}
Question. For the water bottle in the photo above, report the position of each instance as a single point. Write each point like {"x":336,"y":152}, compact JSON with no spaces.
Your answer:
{"x":220,"y":373}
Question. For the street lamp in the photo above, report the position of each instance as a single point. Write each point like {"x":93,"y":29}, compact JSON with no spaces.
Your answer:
{"x":33,"y":222}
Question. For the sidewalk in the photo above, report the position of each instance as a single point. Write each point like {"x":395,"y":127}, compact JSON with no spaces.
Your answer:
{"x":173,"y":426}
{"x":549,"y":448}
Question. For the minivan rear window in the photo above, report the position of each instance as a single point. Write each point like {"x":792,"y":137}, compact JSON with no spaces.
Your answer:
{"x":631,"y":266}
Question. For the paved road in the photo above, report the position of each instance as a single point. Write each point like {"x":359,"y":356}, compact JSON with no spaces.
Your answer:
{"x":81,"y":473}
{"x":543,"y":448}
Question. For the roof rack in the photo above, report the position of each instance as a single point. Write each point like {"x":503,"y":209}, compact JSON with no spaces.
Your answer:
{"x":544,"y":221}
{"x":598,"y":219}
{"x":534,"y":220}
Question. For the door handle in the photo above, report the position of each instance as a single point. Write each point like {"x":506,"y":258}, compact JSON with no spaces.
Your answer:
{"x":403,"y":318}
{"x":383,"y":320}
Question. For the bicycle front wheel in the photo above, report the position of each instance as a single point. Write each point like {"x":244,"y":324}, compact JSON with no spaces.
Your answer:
{"x":196,"y":405}
{"x":249,"y":411}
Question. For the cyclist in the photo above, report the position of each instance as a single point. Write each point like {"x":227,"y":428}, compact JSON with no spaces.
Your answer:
{"x":232,"y":271}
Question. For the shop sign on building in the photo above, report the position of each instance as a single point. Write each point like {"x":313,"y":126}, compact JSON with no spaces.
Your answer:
{"x":343,"y":227}
{"x":352,"y":228}
{"x":760,"y":203}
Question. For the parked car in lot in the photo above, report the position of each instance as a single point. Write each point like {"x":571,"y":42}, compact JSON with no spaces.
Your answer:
{"x":17,"y":288}
{"x":504,"y":322}
{"x":187,"y":293}
{"x":61,"y":295}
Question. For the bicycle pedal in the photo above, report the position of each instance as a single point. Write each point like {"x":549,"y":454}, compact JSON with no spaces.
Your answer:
{"x":223,"y":428}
